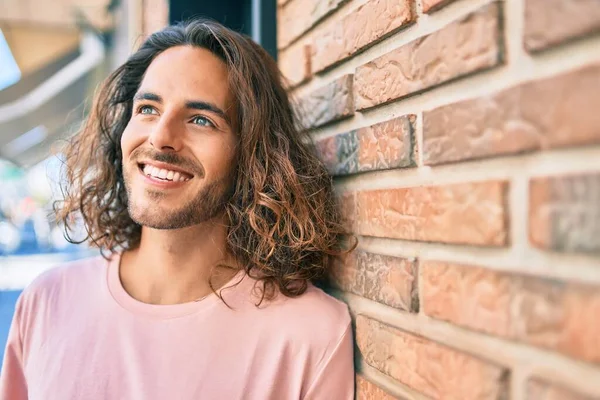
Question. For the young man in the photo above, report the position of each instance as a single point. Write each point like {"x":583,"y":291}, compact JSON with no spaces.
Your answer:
{"x":214,"y":216}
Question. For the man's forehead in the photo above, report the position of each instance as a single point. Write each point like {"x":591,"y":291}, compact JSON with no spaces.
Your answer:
{"x":188,"y":56}
{"x":187,"y":71}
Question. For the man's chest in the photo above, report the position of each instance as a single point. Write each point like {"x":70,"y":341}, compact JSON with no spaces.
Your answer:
{"x":100,"y":359}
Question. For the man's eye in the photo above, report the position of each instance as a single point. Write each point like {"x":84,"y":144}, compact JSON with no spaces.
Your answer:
{"x":146,"y":110}
{"x":202,"y":121}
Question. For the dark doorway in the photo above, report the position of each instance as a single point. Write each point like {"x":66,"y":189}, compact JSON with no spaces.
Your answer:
{"x":255,"y":18}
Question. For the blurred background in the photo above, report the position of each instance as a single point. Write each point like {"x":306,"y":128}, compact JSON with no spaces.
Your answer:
{"x":53,"y":55}
{"x":463,"y":137}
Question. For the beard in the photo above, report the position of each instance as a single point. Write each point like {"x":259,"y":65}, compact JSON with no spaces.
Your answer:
{"x":211,"y":201}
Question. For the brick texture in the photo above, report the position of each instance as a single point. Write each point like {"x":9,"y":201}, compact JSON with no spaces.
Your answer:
{"x":433,"y":5}
{"x":381,"y":146}
{"x":466,"y":213}
{"x":555,"y":112}
{"x":467,"y":296}
{"x":466,"y":46}
{"x":426,"y":366}
{"x":424,"y":112}
{"x":347,"y":206}
{"x":564,"y":213}
{"x":389,"y":280}
{"x":364,"y":26}
{"x":552,"y":22}
{"x":540,"y":390}
{"x":366,"y":390}
{"x":557,"y":316}
{"x":536,"y":311}
{"x":329,"y":103}
{"x":295,"y":64}
{"x":298,"y":16}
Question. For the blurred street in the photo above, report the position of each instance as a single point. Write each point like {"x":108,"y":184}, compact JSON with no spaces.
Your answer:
{"x":16,"y":272}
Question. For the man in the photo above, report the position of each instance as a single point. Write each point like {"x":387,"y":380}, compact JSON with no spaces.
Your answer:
{"x":214,"y":216}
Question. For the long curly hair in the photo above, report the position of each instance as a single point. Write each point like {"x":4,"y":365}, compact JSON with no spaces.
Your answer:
{"x":284,"y":223}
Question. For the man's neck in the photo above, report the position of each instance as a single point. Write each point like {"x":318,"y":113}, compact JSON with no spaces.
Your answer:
{"x":177,"y":266}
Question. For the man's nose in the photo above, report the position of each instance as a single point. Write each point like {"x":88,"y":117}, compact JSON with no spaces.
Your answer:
{"x":165,"y":136}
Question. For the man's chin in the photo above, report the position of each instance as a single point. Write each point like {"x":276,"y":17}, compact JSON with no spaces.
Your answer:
{"x":157,"y":217}
{"x":168,"y":218}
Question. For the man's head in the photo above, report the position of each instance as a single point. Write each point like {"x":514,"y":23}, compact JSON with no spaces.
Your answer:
{"x":197,"y":124}
{"x":179,"y":146}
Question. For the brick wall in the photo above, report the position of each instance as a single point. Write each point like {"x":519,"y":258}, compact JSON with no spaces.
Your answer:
{"x":464,"y":137}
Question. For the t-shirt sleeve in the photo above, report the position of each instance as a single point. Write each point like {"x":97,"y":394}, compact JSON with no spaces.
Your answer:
{"x":12,"y":376}
{"x":335,"y":379}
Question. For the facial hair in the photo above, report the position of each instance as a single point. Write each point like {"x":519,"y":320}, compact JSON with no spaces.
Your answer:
{"x":207,"y":204}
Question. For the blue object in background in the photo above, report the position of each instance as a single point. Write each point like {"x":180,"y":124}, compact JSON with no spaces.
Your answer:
{"x":9,"y":70}
{"x":8,"y":299}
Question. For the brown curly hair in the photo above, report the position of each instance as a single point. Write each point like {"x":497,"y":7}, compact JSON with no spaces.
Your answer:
{"x":284,"y":224}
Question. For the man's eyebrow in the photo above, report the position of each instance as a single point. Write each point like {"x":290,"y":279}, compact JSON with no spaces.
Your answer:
{"x":193,"y":105}
{"x":147,"y":96}
{"x":206,"y":106}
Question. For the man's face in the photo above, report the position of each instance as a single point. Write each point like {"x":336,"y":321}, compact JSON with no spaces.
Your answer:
{"x":179,"y":146}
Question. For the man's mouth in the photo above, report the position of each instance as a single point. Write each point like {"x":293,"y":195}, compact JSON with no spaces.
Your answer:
{"x":163,"y":174}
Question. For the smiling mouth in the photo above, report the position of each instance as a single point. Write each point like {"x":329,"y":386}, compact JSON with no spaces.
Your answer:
{"x":164,"y":174}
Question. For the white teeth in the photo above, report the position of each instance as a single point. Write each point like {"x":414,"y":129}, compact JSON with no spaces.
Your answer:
{"x":164,"y":174}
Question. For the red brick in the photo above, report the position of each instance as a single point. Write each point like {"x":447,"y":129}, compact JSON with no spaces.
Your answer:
{"x":346,"y":153}
{"x":466,"y":46}
{"x":552,"y":22}
{"x":385,"y":279}
{"x":559,"y":316}
{"x":295,"y":64}
{"x":298,"y":16}
{"x":347,"y":205}
{"x":541,"y":312}
{"x":465,"y":213}
{"x":555,"y":112}
{"x":467,"y":296}
{"x":366,"y":390}
{"x":428,"y":367}
{"x":363,"y":27}
{"x":343,"y":273}
{"x":385,"y":145}
{"x":328,"y":153}
{"x":329,"y":103}
{"x":564,"y":213}
{"x":433,"y":5}
{"x":540,"y":390}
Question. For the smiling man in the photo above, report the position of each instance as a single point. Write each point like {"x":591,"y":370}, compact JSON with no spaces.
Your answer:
{"x":214,"y":216}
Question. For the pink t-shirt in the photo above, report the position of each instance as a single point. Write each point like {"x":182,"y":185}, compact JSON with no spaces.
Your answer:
{"x":77,"y":334}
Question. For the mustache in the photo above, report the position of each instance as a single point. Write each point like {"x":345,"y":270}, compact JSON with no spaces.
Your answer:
{"x":169,"y":158}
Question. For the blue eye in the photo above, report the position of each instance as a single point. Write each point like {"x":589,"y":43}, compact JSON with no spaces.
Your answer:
{"x":146,"y":110}
{"x":202,"y":121}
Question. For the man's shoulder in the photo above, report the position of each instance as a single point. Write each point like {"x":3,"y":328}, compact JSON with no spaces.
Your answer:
{"x":320,"y":307}
{"x":314,"y":314}
{"x":64,"y":276}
